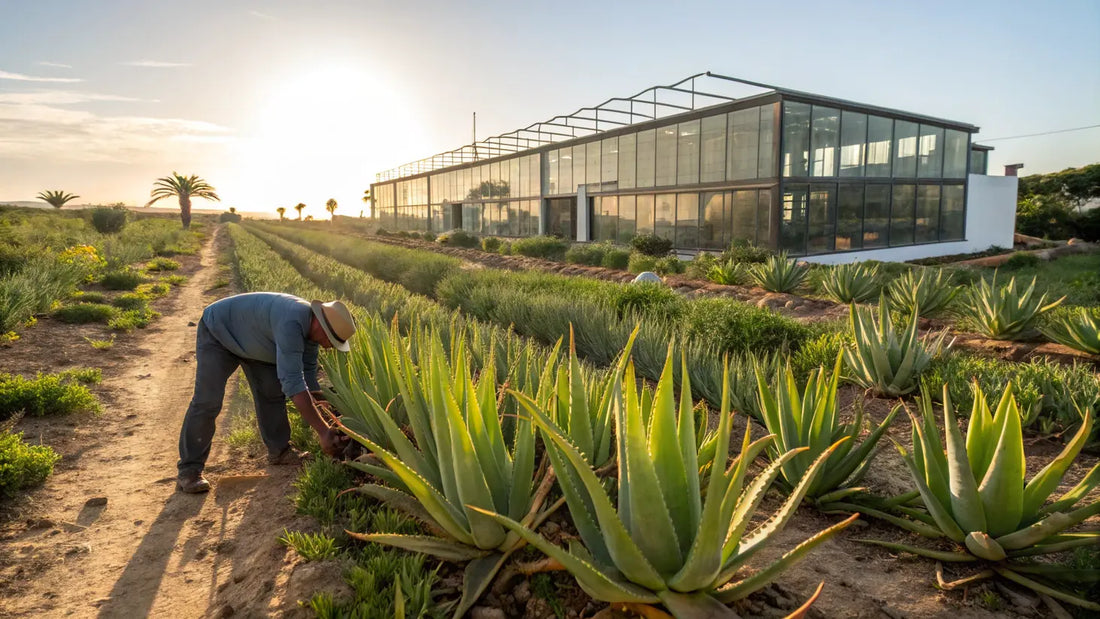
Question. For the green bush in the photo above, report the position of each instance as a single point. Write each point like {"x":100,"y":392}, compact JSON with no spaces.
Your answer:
{"x":639,"y":263}
{"x":457,"y":238}
{"x":88,"y":297}
{"x":382,"y":232}
{"x":46,"y":394}
{"x":83,"y":313}
{"x":12,"y":258}
{"x":162,"y":264}
{"x":132,"y":319}
{"x":490,"y":244}
{"x":732,"y":326}
{"x":109,"y":219}
{"x":651,"y":245}
{"x":428,"y":236}
{"x":742,"y":251}
{"x":670,"y":265}
{"x":1021,"y":260}
{"x":122,"y":279}
{"x":23,"y":465}
{"x":1045,"y":216}
{"x":130,"y":301}
{"x":591,"y":254}
{"x":616,"y":259}
{"x":648,"y":299}
{"x":229,"y":217}
{"x":546,"y":247}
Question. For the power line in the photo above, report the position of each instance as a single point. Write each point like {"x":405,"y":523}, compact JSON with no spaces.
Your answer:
{"x":1032,"y":135}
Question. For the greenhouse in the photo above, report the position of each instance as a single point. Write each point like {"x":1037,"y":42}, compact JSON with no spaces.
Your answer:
{"x":812,"y":175}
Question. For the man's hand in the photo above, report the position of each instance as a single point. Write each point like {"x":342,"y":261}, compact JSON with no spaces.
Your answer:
{"x":332,"y":442}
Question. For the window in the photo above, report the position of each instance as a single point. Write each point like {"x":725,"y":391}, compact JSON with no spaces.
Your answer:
{"x":666,"y":156}
{"x":956,"y":144}
{"x":744,"y":144}
{"x":644,"y":219}
{"x":952,"y":216}
{"x":533,"y":182}
{"x":978,"y":161}
{"x":605,"y":217}
{"x":931,"y":152}
{"x":905,"y":149}
{"x":928,"y":214}
{"x":766,"y":167}
{"x":687,"y":220}
{"x":535,"y":208}
{"x":687,"y":154}
{"x":743,"y":216}
{"x":664,"y":216}
{"x":880,"y":134}
{"x":712,"y":166}
{"x":592,"y":159}
{"x":763,"y":217}
{"x":796,"y":140}
{"x":822,"y":219}
{"x":849,"y":216}
{"x":876,"y":216}
{"x":628,"y":163}
{"x":626,"y":218}
{"x":647,"y":152}
{"x":609,"y":170}
{"x":793,"y":219}
{"x":714,"y":228}
{"x":565,"y":170}
{"x":515,"y":177}
{"x":578,"y":167}
{"x":853,"y":142}
{"x":902,"y":215}
{"x":823,"y":141}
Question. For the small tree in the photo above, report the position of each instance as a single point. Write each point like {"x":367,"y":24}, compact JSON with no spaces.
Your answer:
{"x":183,"y":187}
{"x":282,"y":212}
{"x":330,"y":206}
{"x":56,"y":199}
{"x":299,"y":207}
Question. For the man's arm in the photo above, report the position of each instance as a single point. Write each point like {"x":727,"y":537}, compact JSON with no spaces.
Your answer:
{"x":332,"y":442}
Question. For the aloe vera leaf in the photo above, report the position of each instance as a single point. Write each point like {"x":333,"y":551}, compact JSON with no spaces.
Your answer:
{"x":1002,"y":490}
{"x":1051,"y":525}
{"x":1075,"y":494}
{"x":669,"y":470}
{"x":446,"y":549}
{"x":966,"y":504}
{"x":698,"y":604}
{"x":1046,"y":480}
{"x":939,"y":555}
{"x":1041,"y":588}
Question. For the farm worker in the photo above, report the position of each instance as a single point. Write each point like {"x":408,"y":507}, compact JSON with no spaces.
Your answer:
{"x":274,"y":338}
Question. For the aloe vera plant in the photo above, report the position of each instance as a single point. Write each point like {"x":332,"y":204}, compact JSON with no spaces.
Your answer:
{"x":851,"y":283}
{"x":779,"y":273}
{"x":976,"y":494}
{"x":1081,"y":332}
{"x":881,"y":359}
{"x":665,"y":543}
{"x":1004,"y":313}
{"x":810,"y":420}
{"x":728,"y":273}
{"x":929,"y":293}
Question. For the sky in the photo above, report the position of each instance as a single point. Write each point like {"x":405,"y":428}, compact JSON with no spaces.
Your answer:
{"x":278,"y":102}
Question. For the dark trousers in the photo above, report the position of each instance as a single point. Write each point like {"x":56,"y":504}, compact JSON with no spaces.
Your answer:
{"x":213,"y":367}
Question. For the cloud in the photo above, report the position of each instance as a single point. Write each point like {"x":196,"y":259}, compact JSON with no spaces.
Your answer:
{"x":63,"y":97}
{"x":155,"y":64}
{"x":19,"y":77}
{"x":58,"y":65}
{"x":262,"y":15}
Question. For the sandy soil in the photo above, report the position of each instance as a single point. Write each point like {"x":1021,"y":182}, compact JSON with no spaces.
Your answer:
{"x":108,"y":535}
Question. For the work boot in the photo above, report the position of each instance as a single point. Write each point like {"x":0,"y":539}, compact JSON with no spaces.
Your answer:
{"x":289,"y":455}
{"x":192,"y":483}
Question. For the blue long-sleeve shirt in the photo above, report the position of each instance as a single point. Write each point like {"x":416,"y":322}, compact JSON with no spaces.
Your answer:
{"x":270,"y":327}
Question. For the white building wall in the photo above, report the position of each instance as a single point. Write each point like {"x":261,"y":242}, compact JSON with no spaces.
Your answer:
{"x":990,"y":220}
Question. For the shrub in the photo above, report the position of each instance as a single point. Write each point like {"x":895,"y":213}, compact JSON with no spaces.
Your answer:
{"x":155,"y":289}
{"x":506,"y":248}
{"x":12,"y":258}
{"x":670,"y":265}
{"x":46,"y":394}
{"x":883,"y":360}
{"x":700,"y":264}
{"x":132,"y":319}
{"x":1081,"y":331}
{"x":545,"y":247}
{"x":490,"y":244}
{"x":457,"y":238}
{"x":743,"y":251}
{"x":928,"y":292}
{"x":639,"y":262}
{"x":428,"y":236}
{"x":779,"y":274}
{"x":1021,"y":260}
{"x":402,"y":234}
{"x":162,"y":264}
{"x":174,"y":280}
{"x":651,"y":300}
{"x":1088,"y":225}
{"x":1004,"y":313}
{"x":23,"y":465}
{"x":590,"y":254}
{"x":651,"y":245}
{"x":727,"y":273}
{"x":123,"y":279}
{"x":616,"y":259}
{"x":83,"y":313}
{"x":229,"y":217}
{"x":130,"y":301}
{"x":88,"y":297}
{"x":851,"y":283}
{"x":109,"y":219}
{"x":1045,"y":216}
{"x":382,"y":232}
{"x":732,"y":326}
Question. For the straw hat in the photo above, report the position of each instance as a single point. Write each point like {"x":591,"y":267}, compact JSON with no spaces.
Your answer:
{"x":336,"y":320}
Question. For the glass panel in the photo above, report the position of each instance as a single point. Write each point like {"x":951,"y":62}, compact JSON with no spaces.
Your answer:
{"x":592,"y":150}
{"x":905,"y":149}
{"x":515,"y":186}
{"x":931,"y":152}
{"x":628,"y":164}
{"x":626,"y":218}
{"x":536,"y":215}
{"x":876,"y":216}
{"x":764,"y":218}
{"x":901,"y":215}
{"x":565,"y":170}
{"x":687,"y":154}
{"x":849,"y":216}
{"x":647,"y":152}
{"x":609,"y":170}
{"x":823,"y":141}
{"x":666,"y":156}
{"x":664,"y":218}
{"x":822,"y":219}
{"x":880,"y":134}
{"x":645,"y":215}
{"x":712,"y":166}
{"x":766,"y":166}
{"x":714,"y":231}
{"x":977,"y":161}
{"x":744,"y":144}
{"x":578,"y":167}
{"x":533,"y":182}
{"x":928,"y":213}
{"x":792,"y":230}
{"x":955,"y":146}
{"x":796,"y":141}
{"x":605,"y":217}
{"x":687,"y":220}
{"x":743,"y":216}
{"x":952,"y":219}
{"x":853,"y":141}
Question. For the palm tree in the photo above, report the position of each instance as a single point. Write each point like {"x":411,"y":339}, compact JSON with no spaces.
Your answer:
{"x":233,"y":210}
{"x":298,"y":207}
{"x":330,"y":206}
{"x":366,"y":198}
{"x":183,"y":187}
{"x":282,"y":212}
{"x":56,"y":199}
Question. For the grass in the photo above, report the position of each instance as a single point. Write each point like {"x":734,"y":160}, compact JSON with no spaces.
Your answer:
{"x":1076,"y":276}
{"x":22,"y":465}
{"x":311,"y":546}
{"x":122,"y":279}
{"x":130,"y":301}
{"x":101,"y":344}
{"x":174,"y":280}
{"x":84,"y":313}
{"x":132,"y":319}
{"x":46,"y":394}
{"x":162,"y":264}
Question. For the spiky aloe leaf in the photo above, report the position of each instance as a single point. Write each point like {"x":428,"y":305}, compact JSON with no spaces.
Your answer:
{"x":966,"y":503}
{"x":1002,"y":489}
{"x":1073,"y":495}
{"x":1045,"y":481}
{"x":939,"y":555}
{"x":1004,"y":312}
{"x":1045,"y":528}
{"x":1051,"y":591}
{"x":1080,"y":331}
{"x":435,"y":546}
{"x":851,"y":283}
{"x":922,"y":291}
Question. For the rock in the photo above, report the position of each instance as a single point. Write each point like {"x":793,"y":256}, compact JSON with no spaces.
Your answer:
{"x":96,"y":501}
{"x":225,"y":610}
{"x":310,"y":578}
{"x":522,"y":592}
{"x":772,"y":300}
{"x":550,"y":528}
{"x":484,"y":612}
{"x":192,"y":324}
{"x":647,"y":277}
{"x":789,"y":305}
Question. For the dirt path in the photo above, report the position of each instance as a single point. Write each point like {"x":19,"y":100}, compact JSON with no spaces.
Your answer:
{"x":108,"y":535}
